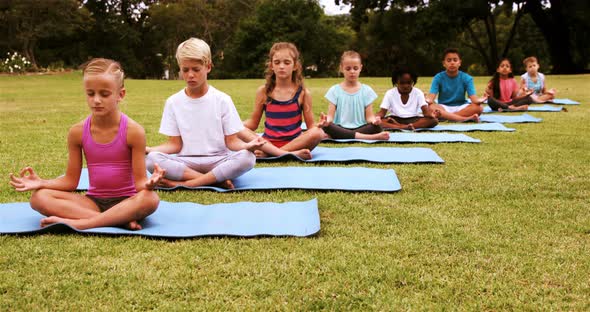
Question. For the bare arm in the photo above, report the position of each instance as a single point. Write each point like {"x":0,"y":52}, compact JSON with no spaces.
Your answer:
{"x":478,"y":100}
{"x":370,"y":117}
{"x":27,"y":180}
{"x":427,"y":112}
{"x":307,"y":108}
{"x":173,"y":145}
{"x":430,"y":98}
{"x":252,"y":122}
{"x":234,"y":143}
{"x":136,"y":141}
{"x":326,"y":120}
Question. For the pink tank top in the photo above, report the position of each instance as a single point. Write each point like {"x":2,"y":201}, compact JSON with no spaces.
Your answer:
{"x":507,"y":87}
{"x":109,"y":165}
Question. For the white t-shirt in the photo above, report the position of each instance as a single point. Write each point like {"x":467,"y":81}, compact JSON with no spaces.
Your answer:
{"x":392,"y":101}
{"x":202,"y":123}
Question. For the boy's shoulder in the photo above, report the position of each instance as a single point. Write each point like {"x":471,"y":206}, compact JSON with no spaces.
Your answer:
{"x":217,"y":96}
{"x":178,"y":96}
{"x":464,"y":75}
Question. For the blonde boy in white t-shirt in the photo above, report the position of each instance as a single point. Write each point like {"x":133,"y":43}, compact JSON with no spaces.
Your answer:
{"x":404,"y":107}
{"x":202,"y":124}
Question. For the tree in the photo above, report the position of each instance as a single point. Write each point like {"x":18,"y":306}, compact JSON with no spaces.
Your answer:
{"x":457,"y":15}
{"x":297,"y":21}
{"x":172,"y":22}
{"x":116,"y":31}
{"x":561,"y":21}
{"x":25,"y":23}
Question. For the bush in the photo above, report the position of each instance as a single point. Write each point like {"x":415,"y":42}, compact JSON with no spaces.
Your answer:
{"x":14,"y":63}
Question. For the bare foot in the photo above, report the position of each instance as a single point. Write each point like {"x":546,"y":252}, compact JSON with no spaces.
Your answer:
{"x":260,"y":154}
{"x":518,"y":108}
{"x":410,"y":127}
{"x":302,"y":153}
{"x":77,"y":224}
{"x":384,"y":135}
{"x":475,"y":117}
{"x":133,"y":225}
{"x":168,"y":183}
{"x":227,"y":184}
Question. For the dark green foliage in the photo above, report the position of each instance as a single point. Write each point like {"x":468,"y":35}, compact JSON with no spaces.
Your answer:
{"x":143,"y":34}
{"x":300,"y":22}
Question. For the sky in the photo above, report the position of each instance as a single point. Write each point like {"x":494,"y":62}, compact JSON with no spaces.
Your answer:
{"x":332,"y":9}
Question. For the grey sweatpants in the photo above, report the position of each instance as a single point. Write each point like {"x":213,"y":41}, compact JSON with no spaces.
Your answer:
{"x":223,"y":167}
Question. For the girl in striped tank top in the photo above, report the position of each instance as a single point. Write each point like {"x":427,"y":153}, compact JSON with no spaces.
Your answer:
{"x":120,"y":194}
{"x":286,"y":103}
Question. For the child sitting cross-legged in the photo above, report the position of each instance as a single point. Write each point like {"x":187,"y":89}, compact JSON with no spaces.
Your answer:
{"x":202,"y":125}
{"x":404,"y":106}
{"x":350,"y":113}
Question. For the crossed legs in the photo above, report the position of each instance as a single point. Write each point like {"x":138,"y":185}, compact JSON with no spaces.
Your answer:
{"x":82,"y":213}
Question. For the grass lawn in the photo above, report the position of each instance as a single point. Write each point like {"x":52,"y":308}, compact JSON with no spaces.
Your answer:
{"x":503,"y":225}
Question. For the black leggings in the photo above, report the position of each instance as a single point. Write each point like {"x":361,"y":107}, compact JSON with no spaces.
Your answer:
{"x":338,"y":132}
{"x":495,"y":104}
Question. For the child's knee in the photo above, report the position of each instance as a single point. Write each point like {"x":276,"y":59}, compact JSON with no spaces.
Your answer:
{"x":38,"y":200}
{"x":247,"y":159}
{"x":316,"y":133}
{"x":153,"y":158}
{"x":149,"y":203}
{"x":432,"y":122}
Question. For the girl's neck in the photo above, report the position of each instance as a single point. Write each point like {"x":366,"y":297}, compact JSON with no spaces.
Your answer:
{"x":107,"y":121}
{"x":350,"y":83}
{"x":504,"y":76}
{"x":533,"y":75}
{"x":284,"y":84}
{"x":350,"y":86}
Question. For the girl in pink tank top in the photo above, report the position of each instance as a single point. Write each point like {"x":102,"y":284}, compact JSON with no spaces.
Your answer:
{"x":120,"y":193}
{"x":502,"y":90}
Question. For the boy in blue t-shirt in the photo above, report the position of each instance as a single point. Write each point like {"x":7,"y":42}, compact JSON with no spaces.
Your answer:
{"x":450,"y":86}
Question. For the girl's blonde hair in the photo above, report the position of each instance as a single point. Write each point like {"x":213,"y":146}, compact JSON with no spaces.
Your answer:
{"x":351,"y":54}
{"x":296,"y":76}
{"x":99,"y":66}
{"x":194,"y":49}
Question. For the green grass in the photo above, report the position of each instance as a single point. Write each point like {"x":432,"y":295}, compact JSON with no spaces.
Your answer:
{"x":503,"y":225}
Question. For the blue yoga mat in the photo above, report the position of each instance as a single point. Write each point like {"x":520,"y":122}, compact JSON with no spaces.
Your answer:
{"x":465,"y":127}
{"x":413,"y":137}
{"x":542,"y":108}
{"x":185,"y":220}
{"x":410,"y":137}
{"x":509,"y":118}
{"x":565,"y":102}
{"x":385,"y":155}
{"x":303,"y":178}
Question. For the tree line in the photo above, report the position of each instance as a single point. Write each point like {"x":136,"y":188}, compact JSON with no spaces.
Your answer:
{"x":143,"y":34}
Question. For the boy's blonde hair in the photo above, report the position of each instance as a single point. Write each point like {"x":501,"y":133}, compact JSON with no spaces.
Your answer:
{"x":194,"y":49}
{"x":99,"y":66}
{"x":296,"y":77}
{"x":529,"y":59}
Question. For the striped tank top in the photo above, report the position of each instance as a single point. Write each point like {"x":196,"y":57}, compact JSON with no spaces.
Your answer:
{"x":283,"y":120}
{"x":109,"y":165}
